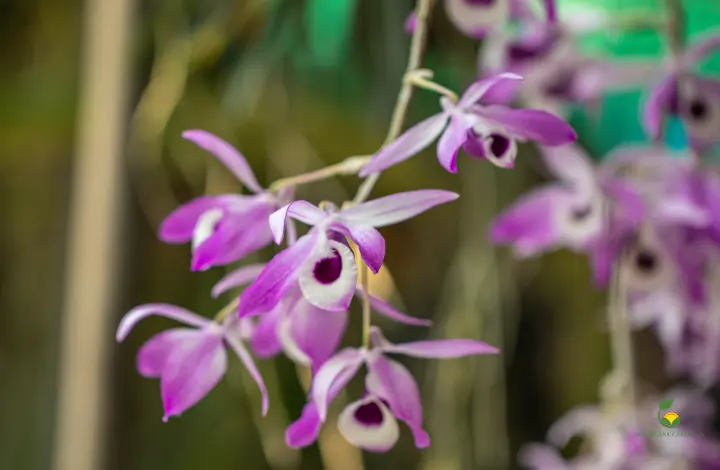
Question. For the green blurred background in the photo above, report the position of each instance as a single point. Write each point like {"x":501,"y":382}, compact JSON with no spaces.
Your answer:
{"x":296,"y":85}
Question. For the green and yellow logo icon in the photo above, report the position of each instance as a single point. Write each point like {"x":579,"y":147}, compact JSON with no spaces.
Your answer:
{"x":667,"y":418}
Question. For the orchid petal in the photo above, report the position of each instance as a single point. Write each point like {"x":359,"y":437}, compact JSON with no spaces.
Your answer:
{"x":369,"y":425}
{"x":533,"y":124}
{"x":681,"y":210}
{"x":437,"y":349}
{"x":392,"y":382}
{"x":329,"y":275}
{"x":388,"y":311}
{"x":407,"y":145}
{"x":629,"y":207}
{"x":191,"y":371}
{"x":476,"y":19}
{"x":398,"y":207}
{"x":411,"y":22}
{"x":657,"y":105}
{"x":237,"y":278}
{"x":316,"y":332}
{"x":179,"y":226}
{"x":305,"y":430}
{"x":265,"y":342}
{"x":451,"y":141}
{"x":369,"y":241}
{"x":477,"y":90}
{"x":573,"y":423}
{"x":334,"y":374}
{"x":238,"y":235}
{"x":173,"y":312}
{"x":299,"y":210}
{"x":249,"y":364}
{"x":541,"y":457}
{"x":530,"y":224}
{"x":701,"y":48}
{"x":277,"y":277}
{"x":602,"y":254}
{"x":155,"y":353}
{"x":570,"y":164}
{"x":228,"y":156}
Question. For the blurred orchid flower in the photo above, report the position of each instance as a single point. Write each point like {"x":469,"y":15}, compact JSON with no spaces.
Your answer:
{"x":556,"y":73}
{"x":486,"y":132}
{"x":477,"y":18}
{"x":392,"y":393}
{"x":223,"y":229}
{"x":190,"y":361}
{"x":571,"y":213}
{"x":321,"y":261}
{"x":309,"y":335}
{"x":685,"y":94}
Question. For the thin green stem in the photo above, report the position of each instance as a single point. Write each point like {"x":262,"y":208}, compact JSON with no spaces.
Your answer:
{"x":403,"y":100}
{"x":227,"y":310}
{"x":422,"y":78}
{"x":349,"y":166}
{"x":402,"y":103}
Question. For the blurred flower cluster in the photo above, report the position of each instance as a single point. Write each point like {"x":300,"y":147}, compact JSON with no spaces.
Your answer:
{"x":646,"y":217}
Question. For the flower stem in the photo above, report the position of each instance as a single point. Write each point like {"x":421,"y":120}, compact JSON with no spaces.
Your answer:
{"x":676,"y":27}
{"x":621,"y":342}
{"x":403,"y":100}
{"x":422,"y":10}
{"x":349,"y":166}
{"x":227,"y":310}
{"x":422,"y":78}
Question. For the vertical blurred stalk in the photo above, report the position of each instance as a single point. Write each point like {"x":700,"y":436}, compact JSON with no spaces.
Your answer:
{"x":95,"y":210}
{"x":473,"y":304}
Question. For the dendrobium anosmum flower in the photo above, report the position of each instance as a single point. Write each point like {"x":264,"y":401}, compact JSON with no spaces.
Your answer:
{"x":686,"y":94}
{"x":309,"y":335}
{"x":486,"y":132}
{"x":556,"y":73}
{"x":391,"y":392}
{"x":477,"y":18}
{"x":190,"y":361}
{"x":571,"y":213}
{"x":666,"y":250}
{"x":321,"y":261}
{"x":223,"y":229}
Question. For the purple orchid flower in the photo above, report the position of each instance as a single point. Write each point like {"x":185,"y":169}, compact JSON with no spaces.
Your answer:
{"x":190,"y":361}
{"x":309,"y":335}
{"x":223,"y":229}
{"x":556,"y":73}
{"x":570,"y":213}
{"x":392,"y":393}
{"x":685,"y":94}
{"x":321,"y":262}
{"x":477,"y":18}
{"x":486,"y":132}
{"x":666,"y":250}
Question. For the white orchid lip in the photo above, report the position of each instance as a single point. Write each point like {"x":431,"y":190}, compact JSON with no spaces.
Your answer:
{"x":370,"y":425}
{"x":328,"y":278}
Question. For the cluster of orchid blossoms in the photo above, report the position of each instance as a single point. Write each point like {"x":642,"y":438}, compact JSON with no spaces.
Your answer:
{"x":651,"y":214}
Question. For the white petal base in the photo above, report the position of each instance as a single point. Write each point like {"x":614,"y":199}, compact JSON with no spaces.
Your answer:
{"x":380,"y":435}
